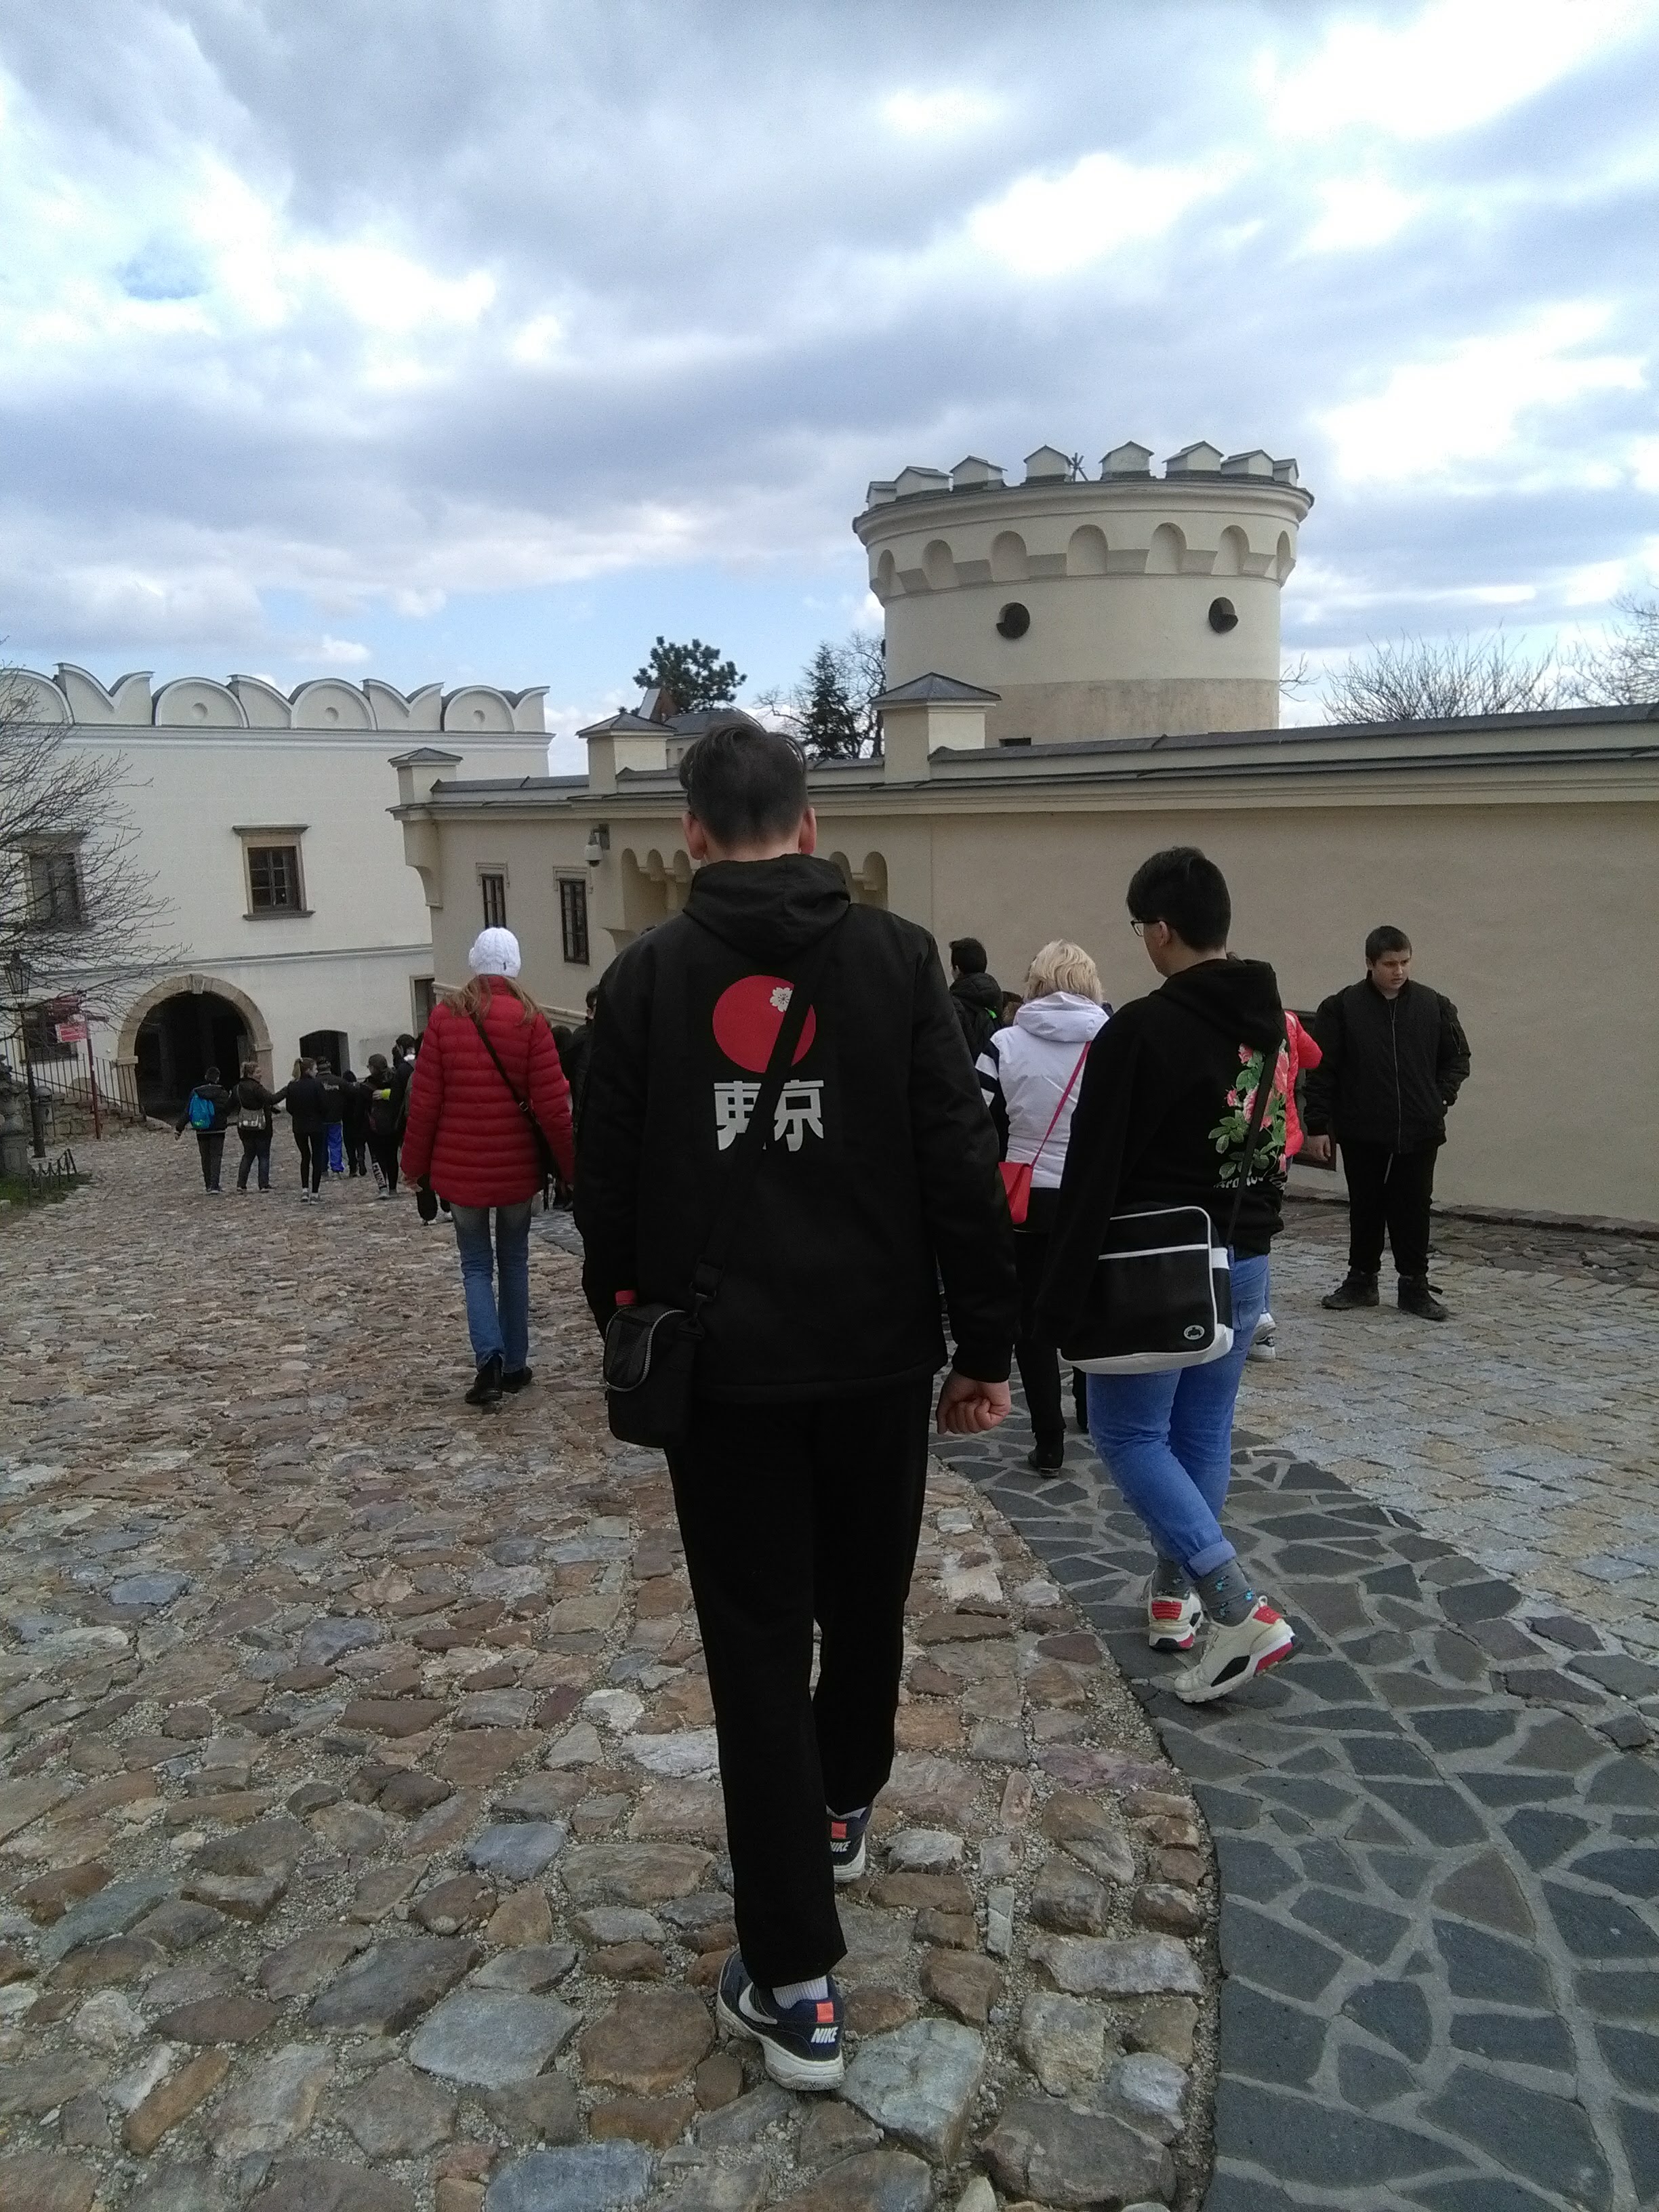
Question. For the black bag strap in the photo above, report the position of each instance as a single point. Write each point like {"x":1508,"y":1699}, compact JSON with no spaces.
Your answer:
{"x":705,"y":1276}
{"x":1264,"y":1091}
{"x":524,"y":1105}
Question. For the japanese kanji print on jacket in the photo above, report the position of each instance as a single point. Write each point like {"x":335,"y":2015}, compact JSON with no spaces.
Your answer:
{"x":882,"y":1164}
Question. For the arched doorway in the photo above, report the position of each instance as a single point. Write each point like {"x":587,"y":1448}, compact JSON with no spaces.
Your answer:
{"x":181,"y":1028}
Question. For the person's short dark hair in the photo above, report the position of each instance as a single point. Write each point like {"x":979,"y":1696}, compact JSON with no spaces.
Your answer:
{"x":209,"y":1075}
{"x":593,"y":998}
{"x":377,"y":1063}
{"x":404,"y":1044}
{"x":744,"y":783}
{"x":967,"y":955}
{"x":1386,"y":938}
{"x":1185,"y":890}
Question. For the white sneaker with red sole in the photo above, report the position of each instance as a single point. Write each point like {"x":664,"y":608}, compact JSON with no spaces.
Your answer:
{"x":1173,"y":1622}
{"x":1233,"y":1656}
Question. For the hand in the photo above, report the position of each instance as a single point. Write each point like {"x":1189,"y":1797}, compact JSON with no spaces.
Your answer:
{"x":967,"y":1408}
{"x":1317,"y":1149}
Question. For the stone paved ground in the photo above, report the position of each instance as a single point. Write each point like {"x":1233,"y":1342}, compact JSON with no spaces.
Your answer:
{"x":360,"y":1850}
{"x":1438,"y":1868}
{"x":1524,"y":1431}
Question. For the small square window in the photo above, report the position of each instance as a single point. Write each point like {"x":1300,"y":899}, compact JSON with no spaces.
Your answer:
{"x":494,"y":888}
{"x":273,"y":879}
{"x":572,"y":919}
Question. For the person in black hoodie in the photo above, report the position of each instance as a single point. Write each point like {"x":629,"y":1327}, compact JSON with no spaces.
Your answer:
{"x":307,"y":1104}
{"x":207,"y":1110}
{"x":1395,"y":1058}
{"x":253,"y":1124}
{"x":799,"y":1490}
{"x":975,"y":994}
{"x":1162,"y":1119}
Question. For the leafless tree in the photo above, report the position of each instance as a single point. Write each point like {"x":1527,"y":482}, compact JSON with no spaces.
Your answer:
{"x":79,"y":917}
{"x":1422,"y":679}
{"x":857,"y":668}
{"x":1624,"y":671}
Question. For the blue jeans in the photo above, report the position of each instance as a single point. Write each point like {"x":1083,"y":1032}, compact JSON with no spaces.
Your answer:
{"x":1167,"y":1440}
{"x":506,"y":1330}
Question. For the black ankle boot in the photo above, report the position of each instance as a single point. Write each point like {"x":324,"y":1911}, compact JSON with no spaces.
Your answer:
{"x":1354,"y":1290}
{"x":487,"y":1383}
{"x":1416,"y":1298}
{"x":1046,"y":1458}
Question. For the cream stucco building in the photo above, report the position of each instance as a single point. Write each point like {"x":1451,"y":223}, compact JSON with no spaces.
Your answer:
{"x":262,"y":818}
{"x":1082,"y":670}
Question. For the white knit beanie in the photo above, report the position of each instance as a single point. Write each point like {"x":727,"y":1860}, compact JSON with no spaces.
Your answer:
{"x":495,"y":952}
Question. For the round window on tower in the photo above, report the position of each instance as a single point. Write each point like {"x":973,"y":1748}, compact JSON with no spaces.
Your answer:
{"x":1223,"y":615}
{"x":1014,"y":620}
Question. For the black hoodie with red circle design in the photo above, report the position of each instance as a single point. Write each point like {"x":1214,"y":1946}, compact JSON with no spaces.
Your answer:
{"x":882,"y":1168}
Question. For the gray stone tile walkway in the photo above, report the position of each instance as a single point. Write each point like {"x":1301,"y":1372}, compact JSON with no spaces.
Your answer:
{"x":1438,"y":1871}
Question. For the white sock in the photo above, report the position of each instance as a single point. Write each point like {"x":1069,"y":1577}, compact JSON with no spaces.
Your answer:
{"x":793,"y":1993}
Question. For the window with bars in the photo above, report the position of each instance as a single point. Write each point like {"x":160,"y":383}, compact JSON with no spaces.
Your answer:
{"x":273,"y":879}
{"x":494,"y":888}
{"x":54,"y":879}
{"x":572,"y":919}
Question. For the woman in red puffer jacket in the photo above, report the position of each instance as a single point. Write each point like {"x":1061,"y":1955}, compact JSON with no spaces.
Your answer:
{"x":468,"y":1140}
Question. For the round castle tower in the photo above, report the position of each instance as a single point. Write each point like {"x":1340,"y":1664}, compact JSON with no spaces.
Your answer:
{"x":1125,"y":605}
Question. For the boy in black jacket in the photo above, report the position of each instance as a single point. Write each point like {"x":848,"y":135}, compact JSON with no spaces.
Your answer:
{"x":1162,"y":1119}
{"x":1395,"y":1058}
{"x":799,"y":1491}
{"x":207,"y":1110}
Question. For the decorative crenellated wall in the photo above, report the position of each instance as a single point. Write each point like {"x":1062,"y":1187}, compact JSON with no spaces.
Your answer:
{"x":248,"y":702}
{"x":1121,"y":604}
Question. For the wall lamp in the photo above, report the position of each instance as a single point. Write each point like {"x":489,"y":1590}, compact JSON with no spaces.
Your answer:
{"x":598,"y":843}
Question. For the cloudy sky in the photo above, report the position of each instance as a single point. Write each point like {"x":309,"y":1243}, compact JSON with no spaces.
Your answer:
{"x":431,"y":340}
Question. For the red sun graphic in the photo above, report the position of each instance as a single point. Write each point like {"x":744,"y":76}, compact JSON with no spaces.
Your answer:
{"x":748,"y":1016}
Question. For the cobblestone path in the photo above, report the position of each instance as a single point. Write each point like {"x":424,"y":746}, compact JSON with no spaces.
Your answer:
{"x":1438,"y":1869}
{"x":360,"y":1846}
{"x":1524,"y":1430}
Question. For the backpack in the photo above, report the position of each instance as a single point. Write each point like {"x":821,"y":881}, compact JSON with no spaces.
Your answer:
{"x":202,"y":1112}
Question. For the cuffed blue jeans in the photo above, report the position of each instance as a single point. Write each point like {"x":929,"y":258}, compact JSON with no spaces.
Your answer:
{"x":500,"y":1328}
{"x":1167,"y":1440}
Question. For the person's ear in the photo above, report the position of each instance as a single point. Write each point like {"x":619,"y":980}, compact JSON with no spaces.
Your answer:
{"x":807,"y":840}
{"x":697,"y":837}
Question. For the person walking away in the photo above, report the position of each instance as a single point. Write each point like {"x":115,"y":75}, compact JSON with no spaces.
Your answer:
{"x":253,"y":1105}
{"x":1029,"y":1073}
{"x":799,"y":1485}
{"x":207,"y":1110}
{"x":976,"y":994}
{"x":307,"y":1111}
{"x":576,"y":1057}
{"x":353,"y":1123}
{"x":1162,"y":1119}
{"x":383,"y":1098}
{"x":1301,"y":1053}
{"x":334,"y":1112}
{"x":1395,"y":1058}
{"x":486,"y":1047}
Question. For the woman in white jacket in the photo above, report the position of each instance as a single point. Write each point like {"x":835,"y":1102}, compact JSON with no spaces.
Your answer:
{"x":1031,"y":1073}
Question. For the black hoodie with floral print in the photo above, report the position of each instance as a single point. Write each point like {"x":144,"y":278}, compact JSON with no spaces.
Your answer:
{"x":1161,"y":1119}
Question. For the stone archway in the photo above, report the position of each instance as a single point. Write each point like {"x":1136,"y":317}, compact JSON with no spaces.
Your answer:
{"x":193,"y":984}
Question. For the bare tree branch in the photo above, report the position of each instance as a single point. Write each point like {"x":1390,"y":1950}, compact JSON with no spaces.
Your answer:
{"x":1420,"y":679}
{"x":1625,"y":672}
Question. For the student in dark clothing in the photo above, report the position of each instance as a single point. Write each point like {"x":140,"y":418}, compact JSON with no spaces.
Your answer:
{"x":383,"y":1104}
{"x":1395,"y":1058}
{"x":254,"y":1125}
{"x":799,"y":1488}
{"x":1162,"y":1119}
{"x":976,"y":994}
{"x":207,"y":1110}
{"x":354,"y":1123}
{"x":575,"y":1056}
{"x":307,"y":1108}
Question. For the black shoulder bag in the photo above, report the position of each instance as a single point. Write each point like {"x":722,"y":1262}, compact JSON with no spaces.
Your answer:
{"x":1162,"y":1294}
{"x":545,"y":1153}
{"x":650,"y":1350}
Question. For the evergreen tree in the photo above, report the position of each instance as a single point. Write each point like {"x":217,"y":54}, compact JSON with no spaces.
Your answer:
{"x":692,"y":674}
{"x":827,"y":719}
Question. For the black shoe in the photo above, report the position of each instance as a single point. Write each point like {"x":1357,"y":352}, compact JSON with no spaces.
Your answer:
{"x":1417,"y":1297}
{"x":1046,"y":1458}
{"x":520,"y":1379}
{"x":487,"y":1383}
{"x":1354,"y":1290}
{"x":801,"y":2044}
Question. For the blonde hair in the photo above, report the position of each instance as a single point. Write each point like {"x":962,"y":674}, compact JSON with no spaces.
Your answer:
{"x":473,"y":997}
{"x":1063,"y":966}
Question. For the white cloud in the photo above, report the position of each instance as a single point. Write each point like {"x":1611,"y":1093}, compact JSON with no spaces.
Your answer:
{"x":1050,"y":226}
{"x":339,"y":653}
{"x":943,"y":114}
{"x":1432,"y":417}
{"x":1360,"y":212}
{"x":1454,"y":64}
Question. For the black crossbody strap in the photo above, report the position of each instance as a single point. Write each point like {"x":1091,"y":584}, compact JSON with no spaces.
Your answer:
{"x":1264,"y":1091}
{"x":523,"y":1104}
{"x":745,"y":1165}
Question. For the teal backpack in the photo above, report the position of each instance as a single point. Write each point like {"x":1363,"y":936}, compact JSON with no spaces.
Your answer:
{"x":201,"y":1112}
